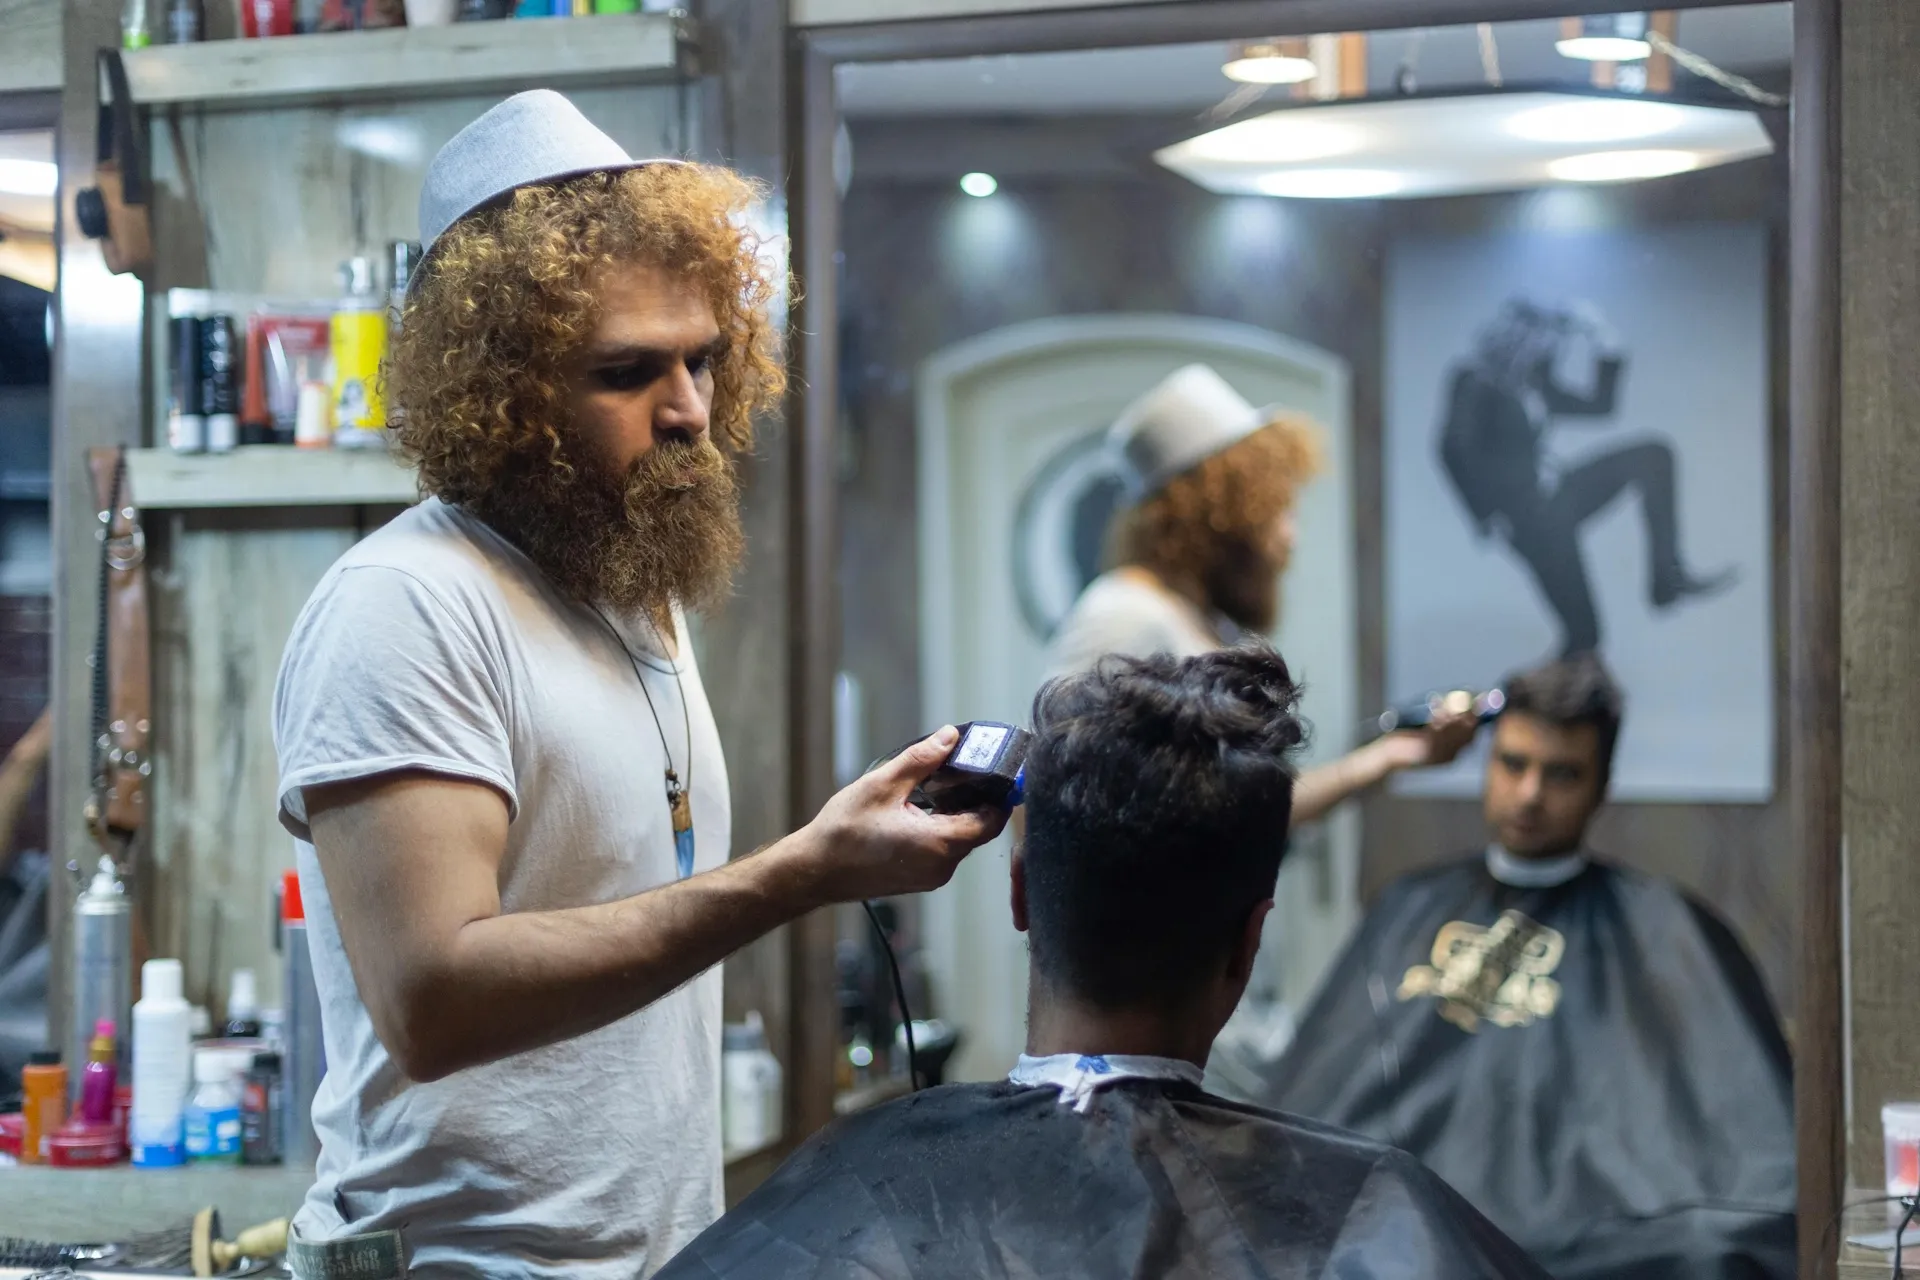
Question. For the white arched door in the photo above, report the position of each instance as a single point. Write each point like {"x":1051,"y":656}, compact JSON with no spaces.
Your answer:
{"x":1013,"y":496}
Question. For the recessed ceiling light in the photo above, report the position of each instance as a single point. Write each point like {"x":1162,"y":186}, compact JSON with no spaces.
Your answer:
{"x":1285,"y":137}
{"x":1330,"y":184}
{"x":1596,"y":120}
{"x":1610,"y":37}
{"x":28,"y":177}
{"x":1604,"y":49}
{"x":1621,"y":166}
{"x":1263,"y":62}
{"x":979,"y":184}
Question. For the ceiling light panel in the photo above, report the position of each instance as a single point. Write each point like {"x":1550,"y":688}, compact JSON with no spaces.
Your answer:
{"x":1461,"y":144}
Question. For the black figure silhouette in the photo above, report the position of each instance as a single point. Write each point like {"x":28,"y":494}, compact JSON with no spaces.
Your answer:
{"x":1504,"y":399}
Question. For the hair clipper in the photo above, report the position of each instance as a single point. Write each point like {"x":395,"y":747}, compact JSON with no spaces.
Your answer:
{"x":986,"y":769}
{"x":1418,"y":715}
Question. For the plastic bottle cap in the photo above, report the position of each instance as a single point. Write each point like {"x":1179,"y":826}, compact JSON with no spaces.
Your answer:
{"x":292,"y":909}
{"x":242,"y":998}
{"x":220,"y":1066}
{"x":266,"y":1062}
{"x":44,"y":1058}
{"x":104,"y":1028}
{"x":106,"y":882}
{"x":207,"y":1067}
{"x":160,"y":980}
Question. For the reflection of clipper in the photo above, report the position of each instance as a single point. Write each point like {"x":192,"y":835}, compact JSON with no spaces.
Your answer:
{"x":987,"y":769}
{"x":1418,"y":715}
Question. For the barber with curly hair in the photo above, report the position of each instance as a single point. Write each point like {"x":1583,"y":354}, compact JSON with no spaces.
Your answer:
{"x":1199,"y":551}
{"x":496,"y":756}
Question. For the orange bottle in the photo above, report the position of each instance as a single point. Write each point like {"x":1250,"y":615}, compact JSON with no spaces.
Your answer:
{"x":44,"y":1083}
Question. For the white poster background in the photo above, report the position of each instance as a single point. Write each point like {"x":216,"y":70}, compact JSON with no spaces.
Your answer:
{"x":1689,"y":305}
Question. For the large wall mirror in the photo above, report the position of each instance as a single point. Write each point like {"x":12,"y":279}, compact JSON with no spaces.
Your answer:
{"x":1528,"y":281}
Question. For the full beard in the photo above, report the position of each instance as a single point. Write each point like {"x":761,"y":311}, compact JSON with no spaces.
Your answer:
{"x":1243,"y":583}
{"x":665,"y":532}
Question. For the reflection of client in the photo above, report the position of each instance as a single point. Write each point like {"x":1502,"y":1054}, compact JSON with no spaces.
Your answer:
{"x":1503,"y":401}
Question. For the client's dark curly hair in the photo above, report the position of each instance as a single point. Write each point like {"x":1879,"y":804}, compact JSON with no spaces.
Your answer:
{"x":1158,"y":795}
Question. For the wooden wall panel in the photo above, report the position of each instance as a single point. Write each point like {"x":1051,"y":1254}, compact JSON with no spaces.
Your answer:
{"x":30,"y":49}
{"x":274,"y":201}
{"x":1879,"y":280}
{"x":744,"y":646}
{"x":226,"y":588}
{"x":96,"y":401}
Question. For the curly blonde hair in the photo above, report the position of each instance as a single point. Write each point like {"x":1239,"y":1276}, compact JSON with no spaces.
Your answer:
{"x":1229,"y":501}
{"x":475,"y":378}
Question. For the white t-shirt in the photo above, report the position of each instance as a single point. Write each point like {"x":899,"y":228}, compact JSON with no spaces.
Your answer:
{"x":435,"y":644}
{"x":1123,"y":612}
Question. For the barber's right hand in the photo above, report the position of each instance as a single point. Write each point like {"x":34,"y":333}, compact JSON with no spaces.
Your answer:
{"x":868,"y":842}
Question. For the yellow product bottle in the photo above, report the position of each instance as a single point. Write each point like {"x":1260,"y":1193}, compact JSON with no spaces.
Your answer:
{"x":359,"y":341}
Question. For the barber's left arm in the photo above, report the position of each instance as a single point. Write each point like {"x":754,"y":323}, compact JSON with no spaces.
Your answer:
{"x":1325,"y":786}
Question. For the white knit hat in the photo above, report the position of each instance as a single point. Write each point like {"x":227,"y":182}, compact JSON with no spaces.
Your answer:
{"x":532,"y":137}
{"x":1188,"y":417}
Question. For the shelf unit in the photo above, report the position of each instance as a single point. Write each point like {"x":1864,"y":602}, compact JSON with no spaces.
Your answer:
{"x":268,"y":476}
{"x":348,"y":67}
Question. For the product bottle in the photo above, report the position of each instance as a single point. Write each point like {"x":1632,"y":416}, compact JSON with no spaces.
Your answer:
{"x":260,"y":1107}
{"x":212,"y":1119}
{"x":404,"y":255}
{"x":186,"y":414}
{"x":102,"y":966}
{"x":44,"y":1086}
{"x":220,"y":382}
{"x":133,"y":26}
{"x":751,"y":1094}
{"x":183,"y":22}
{"x":304,"y":1058}
{"x":243,"y":1007}
{"x":101,"y":1076}
{"x":359,"y":333}
{"x":162,"y":1067}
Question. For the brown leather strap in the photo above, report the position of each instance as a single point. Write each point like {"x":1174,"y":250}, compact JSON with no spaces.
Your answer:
{"x":118,"y":808}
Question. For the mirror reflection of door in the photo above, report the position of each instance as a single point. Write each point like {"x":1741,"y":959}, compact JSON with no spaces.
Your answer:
{"x":1015,"y":492}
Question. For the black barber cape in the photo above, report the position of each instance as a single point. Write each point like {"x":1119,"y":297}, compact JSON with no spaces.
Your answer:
{"x":1595,"y":1065}
{"x":1156,"y":1179}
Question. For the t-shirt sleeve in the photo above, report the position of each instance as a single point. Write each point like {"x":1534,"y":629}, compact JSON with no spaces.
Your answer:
{"x":381,"y":675}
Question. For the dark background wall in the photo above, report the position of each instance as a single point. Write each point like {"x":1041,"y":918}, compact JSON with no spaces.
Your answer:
{"x":1077,"y":232}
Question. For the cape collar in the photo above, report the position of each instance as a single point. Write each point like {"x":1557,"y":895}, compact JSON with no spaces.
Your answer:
{"x":1534,"y":873}
{"x":1078,"y":1075}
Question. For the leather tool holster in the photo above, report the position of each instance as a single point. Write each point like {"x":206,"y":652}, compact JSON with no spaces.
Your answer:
{"x":122,"y":677}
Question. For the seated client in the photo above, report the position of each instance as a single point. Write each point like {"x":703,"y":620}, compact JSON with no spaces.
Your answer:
{"x":1582,"y":1050}
{"x":1158,"y":794}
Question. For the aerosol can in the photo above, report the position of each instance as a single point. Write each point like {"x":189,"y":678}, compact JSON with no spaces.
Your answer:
{"x":102,"y":965}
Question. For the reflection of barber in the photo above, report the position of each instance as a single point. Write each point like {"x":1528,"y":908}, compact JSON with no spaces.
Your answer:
{"x":1501,"y":405}
{"x":1200,"y":551}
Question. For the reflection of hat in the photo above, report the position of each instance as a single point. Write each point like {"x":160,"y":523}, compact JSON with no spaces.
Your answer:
{"x":1190,"y":416}
{"x":537,"y":136}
